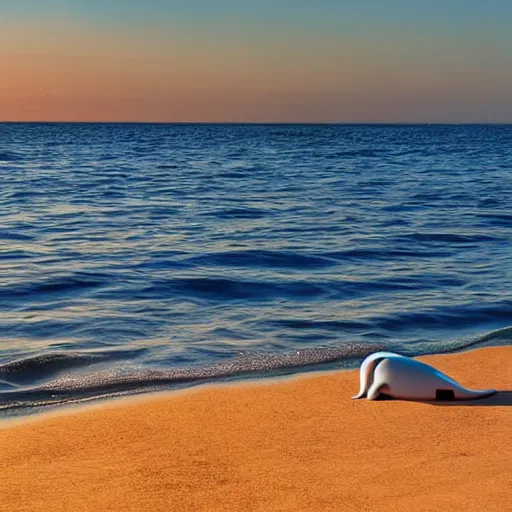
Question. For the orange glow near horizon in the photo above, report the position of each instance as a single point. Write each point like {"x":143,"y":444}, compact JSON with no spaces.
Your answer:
{"x":66,"y":73}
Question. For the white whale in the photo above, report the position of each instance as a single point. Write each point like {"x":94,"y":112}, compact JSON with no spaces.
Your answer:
{"x":389,"y":375}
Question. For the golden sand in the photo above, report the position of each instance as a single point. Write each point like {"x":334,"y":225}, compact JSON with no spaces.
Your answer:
{"x":286,"y":444}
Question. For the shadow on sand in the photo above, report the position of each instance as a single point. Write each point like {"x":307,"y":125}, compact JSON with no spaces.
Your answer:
{"x":501,"y":398}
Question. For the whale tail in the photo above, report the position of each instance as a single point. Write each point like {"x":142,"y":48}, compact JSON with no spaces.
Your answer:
{"x":366,"y":372}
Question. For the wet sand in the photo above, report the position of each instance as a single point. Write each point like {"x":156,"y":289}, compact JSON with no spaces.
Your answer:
{"x":287,"y":444}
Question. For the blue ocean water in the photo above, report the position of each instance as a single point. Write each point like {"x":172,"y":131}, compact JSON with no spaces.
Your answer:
{"x":136,"y":256}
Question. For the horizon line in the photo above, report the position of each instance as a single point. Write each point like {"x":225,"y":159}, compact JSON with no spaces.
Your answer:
{"x":277,"y":123}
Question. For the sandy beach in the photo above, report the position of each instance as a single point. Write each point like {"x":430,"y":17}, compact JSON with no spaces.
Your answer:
{"x":298,"y":443}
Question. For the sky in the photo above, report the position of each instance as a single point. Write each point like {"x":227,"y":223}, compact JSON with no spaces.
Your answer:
{"x":356,"y":61}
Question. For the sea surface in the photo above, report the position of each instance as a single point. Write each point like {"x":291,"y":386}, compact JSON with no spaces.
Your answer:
{"x":137,"y":257}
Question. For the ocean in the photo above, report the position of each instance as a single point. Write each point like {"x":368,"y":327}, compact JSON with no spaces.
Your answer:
{"x":140,"y":257}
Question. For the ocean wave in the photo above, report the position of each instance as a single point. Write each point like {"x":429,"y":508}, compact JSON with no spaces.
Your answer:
{"x":448,"y":238}
{"x":261,"y":259}
{"x":72,"y":284}
{"x":15,"y":236}
{"x":10,"y":156}
{"x":212,"y":289}
{"x":61,"y":386}
{"x":448,"y":317}
{"x":382,"y":253}
{"x":38,"y":367}
{"x":237,"y":213}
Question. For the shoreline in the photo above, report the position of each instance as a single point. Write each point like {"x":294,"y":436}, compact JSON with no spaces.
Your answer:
{"x":93,"y":403}
{"x":13,"y":410}
{"x":289,"y":443}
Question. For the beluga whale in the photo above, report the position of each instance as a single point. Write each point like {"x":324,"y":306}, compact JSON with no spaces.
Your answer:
{"x":386,"y":375}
